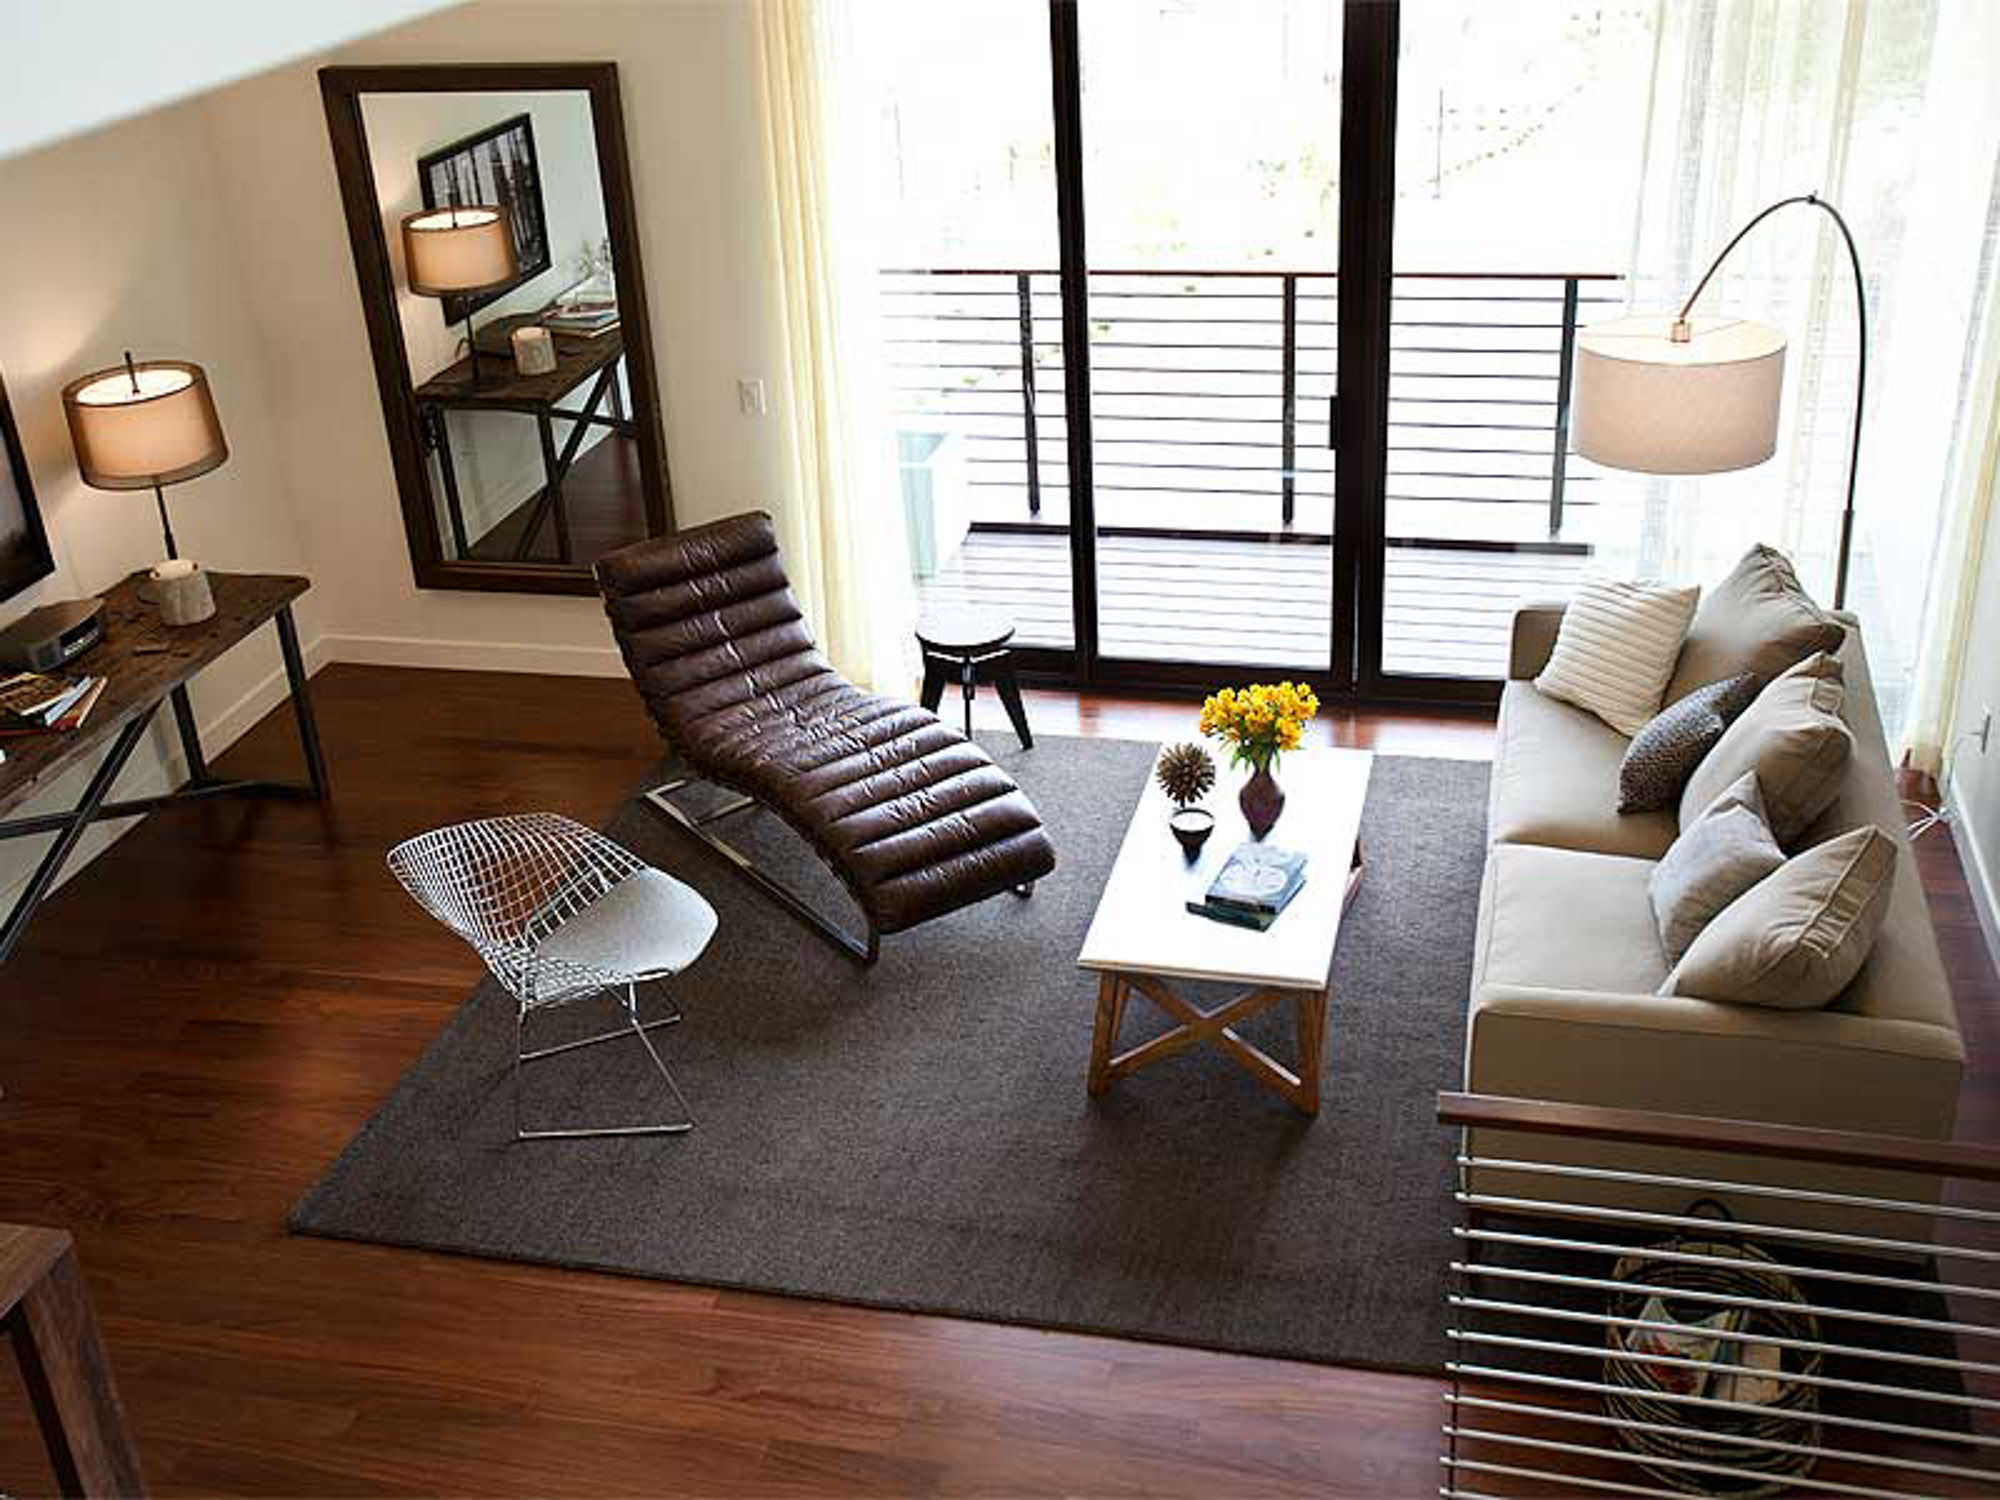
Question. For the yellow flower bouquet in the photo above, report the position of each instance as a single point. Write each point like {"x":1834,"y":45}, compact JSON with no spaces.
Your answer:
{"x":1259,"y":722}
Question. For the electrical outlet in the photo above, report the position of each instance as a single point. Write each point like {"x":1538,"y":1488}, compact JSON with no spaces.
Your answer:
{"x":750,"y":396}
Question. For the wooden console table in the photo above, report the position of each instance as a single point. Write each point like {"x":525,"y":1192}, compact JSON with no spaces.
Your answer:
{"x":46,"y":1310}
{"x":144,"y":664}
{"x":503,"y":388}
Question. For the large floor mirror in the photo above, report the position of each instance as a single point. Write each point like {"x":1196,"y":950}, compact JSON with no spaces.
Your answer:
{"x":491,"y":214}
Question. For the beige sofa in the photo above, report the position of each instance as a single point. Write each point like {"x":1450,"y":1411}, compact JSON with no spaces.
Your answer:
{"x":1568,"y":961}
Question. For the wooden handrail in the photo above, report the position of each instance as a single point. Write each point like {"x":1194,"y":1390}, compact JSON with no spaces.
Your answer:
{"x":1741,"y":1137}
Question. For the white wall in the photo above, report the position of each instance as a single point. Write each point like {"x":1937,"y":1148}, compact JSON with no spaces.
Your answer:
{"x":116,"y":240}
{"x":67,"y":68}
{"x":1975,"y":777}
{"x":685,"y":69}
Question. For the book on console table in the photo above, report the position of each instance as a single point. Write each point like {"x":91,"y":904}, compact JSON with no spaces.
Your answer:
{"x":33,"y":701}
{"x":1256,"y":884}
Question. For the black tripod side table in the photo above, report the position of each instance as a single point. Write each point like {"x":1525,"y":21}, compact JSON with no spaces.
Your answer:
{"x":963,"y":645}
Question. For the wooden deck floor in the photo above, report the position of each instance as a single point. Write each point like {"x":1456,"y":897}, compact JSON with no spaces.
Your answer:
{"x":1447,"y":610}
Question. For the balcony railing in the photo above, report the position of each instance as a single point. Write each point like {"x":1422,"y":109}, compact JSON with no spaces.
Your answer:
{"x":1211,"y":408}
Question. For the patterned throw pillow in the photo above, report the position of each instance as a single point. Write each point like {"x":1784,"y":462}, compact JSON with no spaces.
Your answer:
{"x":1616,"y":648}
{"x":1664,"y":754}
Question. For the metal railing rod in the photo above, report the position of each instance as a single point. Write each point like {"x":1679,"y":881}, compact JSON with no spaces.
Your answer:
{"x":1515,"y":1471}
{"x":1684,"y":1465}
{"x":1742,"y":1189}
{"x":1770,"y":1445}
{"x":1736,"y":1229}
{"x":1227,"y":272}
{"x":1971,"y":1436}
{"x":1634,"y":1357}
{"x":1731,"y":1299}
{"x":1777,"y":1341}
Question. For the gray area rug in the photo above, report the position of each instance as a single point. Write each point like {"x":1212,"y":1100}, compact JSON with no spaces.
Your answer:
{"x":917,"y":1136}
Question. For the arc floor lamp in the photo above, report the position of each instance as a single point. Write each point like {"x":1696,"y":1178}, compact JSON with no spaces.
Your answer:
{"x":1688,"y":395}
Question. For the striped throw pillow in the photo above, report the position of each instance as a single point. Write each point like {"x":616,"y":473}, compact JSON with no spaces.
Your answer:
{"x":1616,"y":649}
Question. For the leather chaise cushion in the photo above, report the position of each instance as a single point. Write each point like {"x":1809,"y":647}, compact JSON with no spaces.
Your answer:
{"x":913,"y":817}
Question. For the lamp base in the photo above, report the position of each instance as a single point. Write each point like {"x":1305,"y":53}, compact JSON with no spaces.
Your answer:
{"x":179,"y":590}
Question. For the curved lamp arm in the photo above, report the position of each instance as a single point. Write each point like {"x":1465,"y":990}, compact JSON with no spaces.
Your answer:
{"x":1682,"y":331}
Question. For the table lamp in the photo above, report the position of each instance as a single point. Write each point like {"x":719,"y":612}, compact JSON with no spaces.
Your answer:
{"x":1687,"y":395}
{"x":451,"y":252}
{"x":145,"y":426}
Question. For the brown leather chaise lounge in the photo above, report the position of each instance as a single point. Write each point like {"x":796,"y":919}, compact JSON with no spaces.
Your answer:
{"x":914,"y":818}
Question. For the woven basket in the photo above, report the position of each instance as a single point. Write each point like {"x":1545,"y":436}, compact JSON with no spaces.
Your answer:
{"x":1704,"y":1434}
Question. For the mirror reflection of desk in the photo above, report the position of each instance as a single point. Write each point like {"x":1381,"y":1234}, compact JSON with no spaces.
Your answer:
{"x":503,"y":388}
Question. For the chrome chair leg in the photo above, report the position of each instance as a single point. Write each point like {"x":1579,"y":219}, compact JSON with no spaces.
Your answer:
{"x":639,"y":1029}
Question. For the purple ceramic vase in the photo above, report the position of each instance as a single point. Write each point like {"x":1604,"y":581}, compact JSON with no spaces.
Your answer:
{"x":1261,"y":799}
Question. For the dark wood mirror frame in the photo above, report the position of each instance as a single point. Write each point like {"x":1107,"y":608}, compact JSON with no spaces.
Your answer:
{"x":342,"y":90}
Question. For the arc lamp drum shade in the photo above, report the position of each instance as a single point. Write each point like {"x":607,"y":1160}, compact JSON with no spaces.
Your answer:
{"x":1651,"y":402}
{"x":451,"y":250}
{"x":140,"y":426}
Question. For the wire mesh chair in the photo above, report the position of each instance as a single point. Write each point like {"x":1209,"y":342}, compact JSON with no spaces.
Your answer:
{"x":560,"y":913}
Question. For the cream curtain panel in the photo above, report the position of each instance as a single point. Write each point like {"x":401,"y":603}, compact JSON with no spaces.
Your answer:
{"x":1885,"y":108}
{"x":840,"y":518}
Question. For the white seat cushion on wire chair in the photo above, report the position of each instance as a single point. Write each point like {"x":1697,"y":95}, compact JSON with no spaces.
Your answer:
{"x":649,"y":923}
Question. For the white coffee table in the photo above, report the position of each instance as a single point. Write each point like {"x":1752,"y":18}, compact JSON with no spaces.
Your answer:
{"x":1143,"y":937}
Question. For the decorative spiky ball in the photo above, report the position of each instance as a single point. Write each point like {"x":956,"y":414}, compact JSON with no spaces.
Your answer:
{"x":1185,"y":772}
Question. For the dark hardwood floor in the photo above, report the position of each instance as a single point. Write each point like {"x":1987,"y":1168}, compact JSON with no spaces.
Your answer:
{"x":201,"y":1020}
{"x":602,"y":498}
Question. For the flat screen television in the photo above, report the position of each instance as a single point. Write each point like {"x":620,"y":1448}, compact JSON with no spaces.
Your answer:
{"x":494,"y":167}
{"x":24,"y":544}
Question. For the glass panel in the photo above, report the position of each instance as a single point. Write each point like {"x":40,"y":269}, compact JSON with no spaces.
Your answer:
{"x":1519,"y":157}
{"x":972,"y":305}
{"x":1211,"y":134}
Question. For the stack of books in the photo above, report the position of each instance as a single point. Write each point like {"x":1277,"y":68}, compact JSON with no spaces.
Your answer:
{"x":31,"y":702}
{"x":1256,"y":884}
{"x":583,"y":318}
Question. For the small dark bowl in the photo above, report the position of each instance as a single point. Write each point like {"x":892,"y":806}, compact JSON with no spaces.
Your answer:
{"x":1192,"y":826}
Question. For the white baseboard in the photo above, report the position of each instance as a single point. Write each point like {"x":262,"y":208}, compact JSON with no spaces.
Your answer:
{"x":1978,"y":879}
{"x":148,"y":775}
{"x":475,"y":656}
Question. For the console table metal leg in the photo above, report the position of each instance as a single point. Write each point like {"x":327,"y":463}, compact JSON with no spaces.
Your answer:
{"x":197,"y":763}
{"x":295,"y":676}
{"x":44,"y":878}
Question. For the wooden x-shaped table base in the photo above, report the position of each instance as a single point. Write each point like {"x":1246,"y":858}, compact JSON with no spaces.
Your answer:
{"x":1300,"y":1089}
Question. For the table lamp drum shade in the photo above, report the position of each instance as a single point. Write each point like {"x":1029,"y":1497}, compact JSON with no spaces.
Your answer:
{"x":449,"y":250}
{"x":1649,"y":403}
{"x":137,"y":426}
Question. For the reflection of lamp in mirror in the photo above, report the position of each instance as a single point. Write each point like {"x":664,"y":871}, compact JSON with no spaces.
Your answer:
{"x":145,"y":426}
{"x":451,"y":252}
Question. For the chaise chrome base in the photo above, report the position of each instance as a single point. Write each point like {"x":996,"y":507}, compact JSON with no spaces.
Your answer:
{"x":637,"y":1028}
{"x":863,"y":950}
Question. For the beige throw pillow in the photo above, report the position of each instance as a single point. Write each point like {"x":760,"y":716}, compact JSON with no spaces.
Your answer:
{"x":1723,"y":853}
{"x":1794,"y":739}
{"x":1796,"y":939}
{"x":1759,"y":620}
{"x":1616,"y":649}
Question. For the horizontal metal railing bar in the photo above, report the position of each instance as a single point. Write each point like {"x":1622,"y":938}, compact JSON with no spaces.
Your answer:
{"x":1735,"y":1228}
{"x":1638,"y":1357}
{"x":1252,"y":271}
{"x":1110,"y":343}
{"x":1780,"y":1341}
{"x":1459,"y":1369}
{"x":1516,"y":1471}
{"x":1685,"y":1465}
{"x":1438,"y":323}
{"x":1476,"y":1270}
{"x":1745,"y":1137}
{"x":1769,"y":1445}
{"x":1744,"y":1189}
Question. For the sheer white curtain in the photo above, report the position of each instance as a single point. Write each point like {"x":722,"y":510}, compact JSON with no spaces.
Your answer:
{"x":1887,"y":109}
{"x":840,"y":519}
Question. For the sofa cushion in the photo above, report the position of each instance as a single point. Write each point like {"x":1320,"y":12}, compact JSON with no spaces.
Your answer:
{"x":1723,"y":853}
{"x":1555,"y":781}
{"x":1756,"y":620}
{"x":1663,"y":755}
{"x":1616,"y":650}
{"x":1794,"y":738}
{"x":1797,"y":938}
{"x":1538,"y":905}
